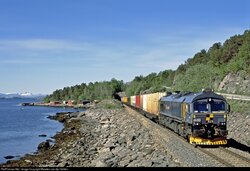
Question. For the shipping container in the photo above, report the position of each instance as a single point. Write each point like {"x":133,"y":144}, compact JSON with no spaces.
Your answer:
{"x":141,"y":101}
{"x":132,"y":100}
{"x":152,"y":102}
{"x":144,"y":102}
{"x":125,"y":99}
{"x":137,"y":101}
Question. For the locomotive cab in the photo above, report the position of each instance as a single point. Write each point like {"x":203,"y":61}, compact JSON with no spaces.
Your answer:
{"x":200,"y":117}
{"x":209,"y":118}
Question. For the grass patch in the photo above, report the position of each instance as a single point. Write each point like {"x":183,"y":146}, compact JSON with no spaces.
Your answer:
{"x":240,"y":106}
{"x":111,"y":106}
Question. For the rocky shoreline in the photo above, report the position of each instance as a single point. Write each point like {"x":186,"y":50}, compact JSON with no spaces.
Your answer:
{"x":106,"y":136}
{"x":102,"y":136}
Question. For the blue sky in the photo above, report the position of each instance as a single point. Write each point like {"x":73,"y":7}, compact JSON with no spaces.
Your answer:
{"x":50,"y":44}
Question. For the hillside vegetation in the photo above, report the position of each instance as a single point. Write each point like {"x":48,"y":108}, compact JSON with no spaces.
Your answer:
{"x":217,"y":68}
{"x":91,"y":91}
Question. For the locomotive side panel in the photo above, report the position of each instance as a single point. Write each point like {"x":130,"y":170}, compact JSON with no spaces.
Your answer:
{"x":172,"y":109}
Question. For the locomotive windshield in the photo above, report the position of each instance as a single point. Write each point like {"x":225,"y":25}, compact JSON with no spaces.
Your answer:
{"x":209,"y":105}
{"x":218,"y":106}
{"x":200,"y":106}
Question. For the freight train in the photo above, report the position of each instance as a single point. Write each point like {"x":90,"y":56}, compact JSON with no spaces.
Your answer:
{"x":199,"y":117}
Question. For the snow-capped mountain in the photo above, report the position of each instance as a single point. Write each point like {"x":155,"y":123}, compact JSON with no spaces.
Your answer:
{"x":26,"y":94}
{"x":21,"y":95}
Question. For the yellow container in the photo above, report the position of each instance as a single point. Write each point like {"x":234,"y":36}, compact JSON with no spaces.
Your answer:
{"x":144,"y":103}
{"x":152,"y":102}
{"x":141,"y":101}
{"x":124,"y":99}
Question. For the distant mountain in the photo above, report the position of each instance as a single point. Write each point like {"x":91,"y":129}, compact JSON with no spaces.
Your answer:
{"x":21,"y":95}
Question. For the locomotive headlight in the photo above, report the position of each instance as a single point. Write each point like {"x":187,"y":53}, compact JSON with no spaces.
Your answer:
{"x":222,"y":123}
{"x":197,"y":123}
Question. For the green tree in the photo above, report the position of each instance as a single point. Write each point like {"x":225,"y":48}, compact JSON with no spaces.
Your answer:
{"x":196,"y":78}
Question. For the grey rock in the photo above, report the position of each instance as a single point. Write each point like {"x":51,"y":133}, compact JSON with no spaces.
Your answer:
{"x":100,"y":163}
{"x":43,"y":146}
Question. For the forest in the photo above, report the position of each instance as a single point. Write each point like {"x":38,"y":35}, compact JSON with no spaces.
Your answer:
{"x":204,"y":70}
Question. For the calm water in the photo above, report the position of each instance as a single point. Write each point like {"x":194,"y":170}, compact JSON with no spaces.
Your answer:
{"x":20,"y":126}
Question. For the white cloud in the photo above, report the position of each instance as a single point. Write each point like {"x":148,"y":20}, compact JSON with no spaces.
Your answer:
{"x":43,"y":44}
{"x":165,"y":50}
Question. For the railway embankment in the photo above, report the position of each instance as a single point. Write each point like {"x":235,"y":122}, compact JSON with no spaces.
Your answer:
{"x":109,"y":135}
{"x":239,"y":128}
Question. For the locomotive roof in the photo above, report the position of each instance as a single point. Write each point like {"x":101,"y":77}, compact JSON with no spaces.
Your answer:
{"x":191,"y":97}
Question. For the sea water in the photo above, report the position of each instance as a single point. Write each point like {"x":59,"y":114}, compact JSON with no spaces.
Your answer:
{"x":20,"y":126}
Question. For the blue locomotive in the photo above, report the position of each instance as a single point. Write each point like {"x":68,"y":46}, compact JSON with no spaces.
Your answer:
{"x":200,"y":117}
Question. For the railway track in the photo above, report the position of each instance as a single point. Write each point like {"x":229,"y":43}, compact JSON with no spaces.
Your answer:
{"x":236,"y":154}
{"x":226,"y":157}
{"x":222,"y":155}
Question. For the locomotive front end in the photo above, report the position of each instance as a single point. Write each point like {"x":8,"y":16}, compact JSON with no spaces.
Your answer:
{"x":209,"y":121}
